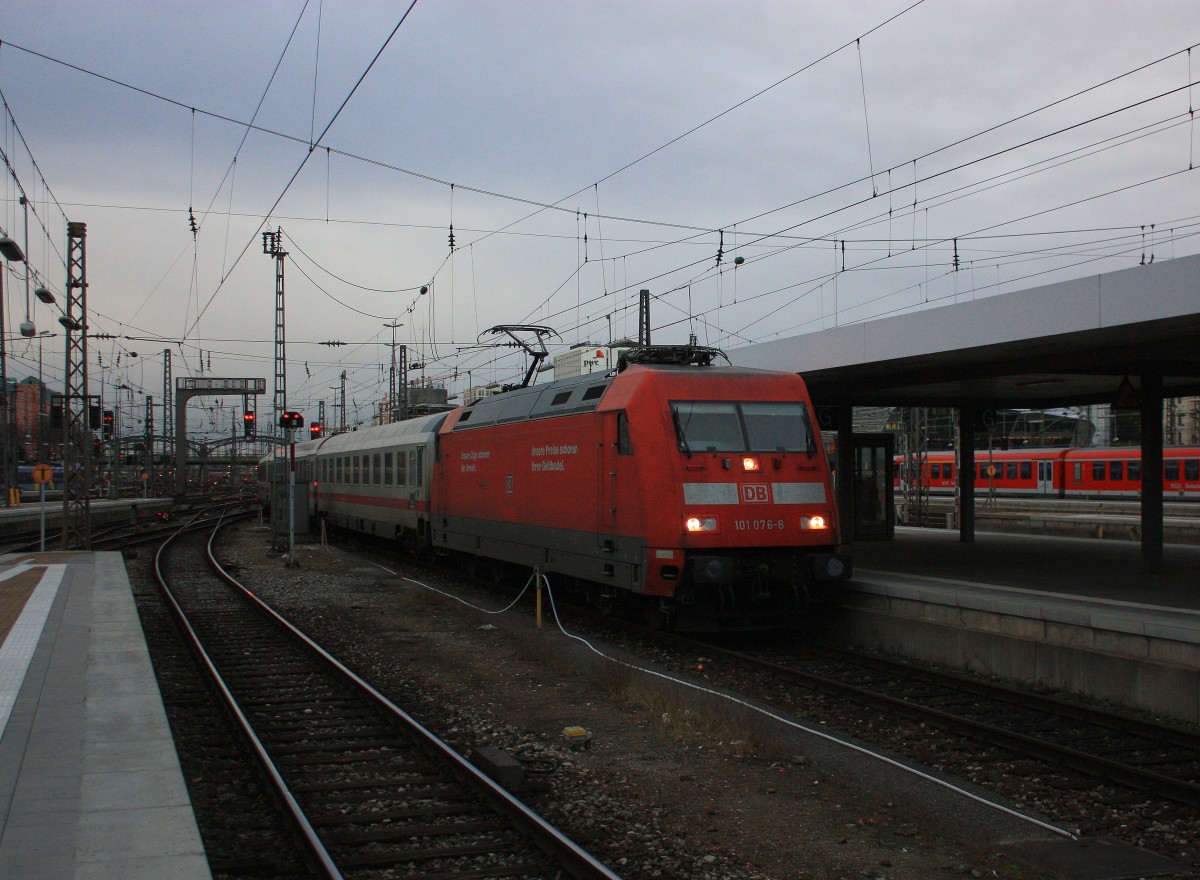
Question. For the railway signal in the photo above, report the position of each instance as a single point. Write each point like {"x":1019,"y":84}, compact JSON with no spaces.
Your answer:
{"x":314,"y":431}
{"x":248,"y":424}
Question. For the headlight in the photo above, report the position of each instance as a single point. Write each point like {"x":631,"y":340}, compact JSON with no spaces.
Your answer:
{"x":814,"y":522}
{"x":750,"y":463}
{"x":700,"y":524}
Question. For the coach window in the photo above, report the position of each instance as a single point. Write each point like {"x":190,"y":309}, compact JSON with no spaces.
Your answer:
{"x":624,"y":446}
{"x":1115,"y":469}
{"x":948,"y":471}
{"x":420,"y":480}
{"x":1078,"y":471}
{"x":356,"y":463}
{"x":387,"y":469}
{"x":1171,"y":470}
{"x":377,"y":471}
{"x":935,"y":471}
{"x":1098,"y":471}
{"x":1191,"y":468}
{"x":401,"y":469}
{"x":1027,"y":470}
{"x":1134,"y":471}
{"x":1010,"y":470}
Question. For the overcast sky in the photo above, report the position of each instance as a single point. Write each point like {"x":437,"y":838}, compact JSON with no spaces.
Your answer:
{"x":862,"y":159}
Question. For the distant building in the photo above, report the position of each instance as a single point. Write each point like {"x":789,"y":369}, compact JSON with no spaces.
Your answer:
{"x":587,"y":357}
{"x":31,"y":417}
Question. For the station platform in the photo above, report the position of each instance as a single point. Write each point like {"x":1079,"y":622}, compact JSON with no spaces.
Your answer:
{"x":1070,"y":614}
{"x":26,"y":518}
{"x":90,"y":782}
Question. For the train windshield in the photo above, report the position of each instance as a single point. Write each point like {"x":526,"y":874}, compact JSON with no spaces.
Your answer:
{"x":710,"y":426}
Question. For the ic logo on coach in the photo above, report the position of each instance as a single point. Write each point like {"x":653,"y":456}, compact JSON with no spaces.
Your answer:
{"x":755,"y":493}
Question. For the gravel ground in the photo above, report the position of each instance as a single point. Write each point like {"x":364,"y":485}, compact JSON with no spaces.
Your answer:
{"x":668,"y":785}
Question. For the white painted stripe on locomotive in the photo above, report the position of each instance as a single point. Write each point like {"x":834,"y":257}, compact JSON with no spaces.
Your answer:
{"x":798,"y":493}
{"x":710,"y":493}
{"x":727,"y":493}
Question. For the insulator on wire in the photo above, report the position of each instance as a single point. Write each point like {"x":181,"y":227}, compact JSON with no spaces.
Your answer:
{"x":451,"y":238}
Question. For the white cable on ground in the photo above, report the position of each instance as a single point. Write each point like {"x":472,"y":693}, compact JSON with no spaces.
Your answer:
{"x":782,"y":720}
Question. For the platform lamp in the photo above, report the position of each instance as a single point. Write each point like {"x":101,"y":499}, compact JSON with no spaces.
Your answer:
{"x":11,"y":251}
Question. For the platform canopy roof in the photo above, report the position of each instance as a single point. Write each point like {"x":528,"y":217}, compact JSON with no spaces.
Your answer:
{"x":1063,"y":344}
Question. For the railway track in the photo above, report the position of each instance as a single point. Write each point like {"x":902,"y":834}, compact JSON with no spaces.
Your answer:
{"x":1110,"y":748}
{"x":367,"y":789}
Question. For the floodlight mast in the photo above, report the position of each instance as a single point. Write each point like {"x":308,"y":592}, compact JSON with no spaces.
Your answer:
{"x":538,"y":354}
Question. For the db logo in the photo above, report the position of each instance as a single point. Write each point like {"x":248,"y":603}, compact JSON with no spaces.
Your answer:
{"x":756,"y":493}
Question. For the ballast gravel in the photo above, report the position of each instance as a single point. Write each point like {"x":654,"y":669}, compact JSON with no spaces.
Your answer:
{"x":662,"y":787}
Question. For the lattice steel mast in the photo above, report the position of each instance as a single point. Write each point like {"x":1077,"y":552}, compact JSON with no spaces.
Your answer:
{"x":169,"y":463}
{"x":77,"y":447}
{"x":273,"y":247}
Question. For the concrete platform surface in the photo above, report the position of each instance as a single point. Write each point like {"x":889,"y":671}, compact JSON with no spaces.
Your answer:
{"x":90,"y":783}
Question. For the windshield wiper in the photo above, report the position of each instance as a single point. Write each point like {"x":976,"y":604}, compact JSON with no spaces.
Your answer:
{"x":679,"y":435}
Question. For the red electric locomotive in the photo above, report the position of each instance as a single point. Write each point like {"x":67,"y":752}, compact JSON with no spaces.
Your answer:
{"x":699,"y":494}
{"x":704,"y":489}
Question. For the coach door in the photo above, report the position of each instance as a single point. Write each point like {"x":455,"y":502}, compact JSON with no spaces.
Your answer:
{"x":874,"y":513}
{"x":606,"y":481}
{"x":1045,"y":480}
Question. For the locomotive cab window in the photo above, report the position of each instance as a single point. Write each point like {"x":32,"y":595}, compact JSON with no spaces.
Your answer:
{"x":711,"y":426}
{"x":707,"y":427}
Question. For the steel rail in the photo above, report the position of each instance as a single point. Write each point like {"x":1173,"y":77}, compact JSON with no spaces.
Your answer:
{"x":577,"y":861}
{"x":311,"y":840}
{"x":1178,"y":790}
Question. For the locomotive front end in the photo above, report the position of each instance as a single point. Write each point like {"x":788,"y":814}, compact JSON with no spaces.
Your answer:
{"x":746,"y":535}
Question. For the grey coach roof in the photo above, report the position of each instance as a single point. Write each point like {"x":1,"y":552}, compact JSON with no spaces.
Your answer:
{"x":1065,"y":343}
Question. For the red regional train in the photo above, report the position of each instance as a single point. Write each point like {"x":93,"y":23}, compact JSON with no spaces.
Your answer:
{"x":1087,"y":473}
{"x":699,"y":495}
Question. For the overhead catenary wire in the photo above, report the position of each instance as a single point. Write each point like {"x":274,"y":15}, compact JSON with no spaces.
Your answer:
{"x":889,"y":189}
